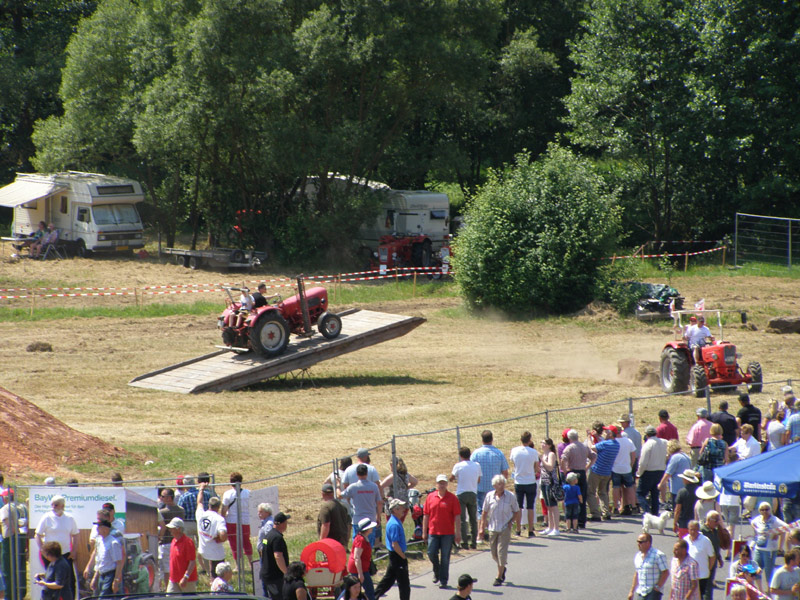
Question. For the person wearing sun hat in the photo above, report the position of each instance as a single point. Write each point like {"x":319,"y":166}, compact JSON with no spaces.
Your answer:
{"x":361,"y":555}
{"x":706,"y":500}
{"x":685,"y":501}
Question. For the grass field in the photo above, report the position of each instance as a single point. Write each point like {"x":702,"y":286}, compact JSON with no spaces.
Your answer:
{"x":458,"y":369}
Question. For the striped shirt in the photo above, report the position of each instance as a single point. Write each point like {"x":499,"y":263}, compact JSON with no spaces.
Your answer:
{"x":492,"y":463}
{"x":682,"y":574}
{"x":648,"y":569}
{"x":607,"y":451}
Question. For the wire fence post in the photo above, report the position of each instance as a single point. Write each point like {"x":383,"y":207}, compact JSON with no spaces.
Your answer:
{"x":458,"y":439}
{"x":547,"y":423}
{"x":630,"y":412}
{"x":394,"y":468}
{"x":239,"y":547}
{"x":708,"y":398}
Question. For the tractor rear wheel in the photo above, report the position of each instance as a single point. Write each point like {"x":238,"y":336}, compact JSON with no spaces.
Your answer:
{"x":421,"y":254}
{"x":674,"y":371}
{"x":757,"y":374}
{"x":270,"y":335}
{"x":699,"y":381}
{"x":329,"y":325}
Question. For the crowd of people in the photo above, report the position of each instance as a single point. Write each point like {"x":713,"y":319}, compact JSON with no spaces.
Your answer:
{"x":611,"y":471}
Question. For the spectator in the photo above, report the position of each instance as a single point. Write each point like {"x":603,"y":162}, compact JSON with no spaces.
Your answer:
{"x":526,"y":471}
{"x":222,"y":582}
{"x":677,"y":463}
{"x":188,"y":502}
{"x":117,"y":525}
{"x":51,"y":237}
{"x":738,"y":592}
{"x":767,"y":528}
{"x":72,"y":482}
{"x":650,"y":572}
{"x":182,"y":560}
{"x":551,"y":477}
{"x":572,"y":502}
{"x":464,"y":588}
{"x":747,"y":446}
{"x":713,"y":454}
{"x":499,"y":513}
{"x":793,"y":541}
{"x":108,"y":561}
{"x":58,"y":576}
{"x":492,"y":463}
{"x":684,"y":502}
{"x":336,"y":477}
{"x":397,"y":571}
{"x":701,"y":549}
{"x":730,"y":506}
{"x":624,"y":492}
{"x":745,"y":568}
{"x":398,"y":488}
{"x":666,"y":430}
{"x":14,"y":519}
{"x":730,"y":427}
{"x":706,"y":501}
{"x":232,"y":512}
{"x":361,"y":557}
{"x":116,"y":479}
{"x":211,"y":531}
{"x":561,"y":445}
{"x":710,"y":529}
{"x":333,"y":520}
{"x":749,"y":414}
{"x":365,"y":497}
{"x":294,"y":585}
{"x":102,"y":516}
{"x":576,"y":459}
{"x":468,"y":474}
{"x":352,"y":589}
{"x":792,"y":426}
{"x":168,"y":511}
{"x":652,"y":464}
{"x":267,"y":522}
{"x":274,"y":558}
{"x":59,"y":526}
{"x":775,"y":431}
{"x":633,"y":435}
{"x":786,"y":580}
{"x":699,"y":432}
{"x":684,"y":571}
{"x":600,"y":474}
{"x":441,"y":528}
{"x":50,"y":481}
{"x":789,"y":403}
{"x":350,"y":474}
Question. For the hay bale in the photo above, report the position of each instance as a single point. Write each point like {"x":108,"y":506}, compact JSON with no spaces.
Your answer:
{"x":39,"y":347}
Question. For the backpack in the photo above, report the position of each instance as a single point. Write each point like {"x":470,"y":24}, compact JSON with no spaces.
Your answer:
{"x":713,"y":454}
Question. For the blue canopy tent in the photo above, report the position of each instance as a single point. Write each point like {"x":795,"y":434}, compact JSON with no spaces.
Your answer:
{"x":772,"y":474}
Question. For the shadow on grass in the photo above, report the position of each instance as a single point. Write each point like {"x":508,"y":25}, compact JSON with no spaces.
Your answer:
{"x":293,"y":381}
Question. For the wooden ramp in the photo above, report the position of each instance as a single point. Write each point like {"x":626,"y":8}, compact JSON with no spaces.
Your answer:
{"x":225,"y":370}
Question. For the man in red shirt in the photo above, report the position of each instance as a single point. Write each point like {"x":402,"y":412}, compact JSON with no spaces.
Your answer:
{"x":666,"y":430}
{"x":441,"y":525}
{"x":182,"y":560}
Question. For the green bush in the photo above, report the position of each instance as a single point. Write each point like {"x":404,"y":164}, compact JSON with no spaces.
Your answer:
{"x":535,"y":236}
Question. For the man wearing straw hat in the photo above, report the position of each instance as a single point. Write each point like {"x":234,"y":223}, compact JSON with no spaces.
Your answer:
{"x":685,"y":501}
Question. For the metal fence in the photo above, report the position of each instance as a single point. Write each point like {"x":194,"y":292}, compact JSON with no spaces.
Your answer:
{"x":765,"y":239}
{"x":300,"y":490}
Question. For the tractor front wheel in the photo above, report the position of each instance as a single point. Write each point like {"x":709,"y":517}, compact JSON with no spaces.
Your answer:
{"x":757,"y":374}
{"x":674,"y":371}
{"x":329,"y":325}
{"x":699,"y":381}
{"x":270,"y":335}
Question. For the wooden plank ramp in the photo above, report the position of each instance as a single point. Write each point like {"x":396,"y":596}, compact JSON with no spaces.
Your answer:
{"x":225,"y":370}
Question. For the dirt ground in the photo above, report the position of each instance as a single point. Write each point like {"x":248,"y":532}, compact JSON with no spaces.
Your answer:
{"x":456,"y":369}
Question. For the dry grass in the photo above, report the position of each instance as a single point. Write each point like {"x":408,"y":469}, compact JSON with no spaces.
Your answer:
{"x":454,"y":370}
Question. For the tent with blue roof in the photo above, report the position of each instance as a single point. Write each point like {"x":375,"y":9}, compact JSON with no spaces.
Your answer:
{"x":771,"y":474}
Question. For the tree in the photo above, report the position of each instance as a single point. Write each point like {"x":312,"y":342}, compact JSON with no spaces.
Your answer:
{"x":535,"y":236}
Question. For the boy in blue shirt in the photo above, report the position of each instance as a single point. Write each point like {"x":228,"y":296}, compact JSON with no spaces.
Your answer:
{"x":572,"y":502}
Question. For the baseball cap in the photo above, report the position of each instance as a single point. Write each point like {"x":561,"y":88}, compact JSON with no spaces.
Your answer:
{"x":176,"y":523}
{"x":103,"y":523}
{"x":441,"y":477}
{"x":396,"y":503}
{"x":787,"y":389}
{"x":327,"y":488}
{"x":612,"y":428}
{"x":650,"y":430}
{"x":282,"y":517}
{"x":465,"y":580}
{"x":624,"y":418}
{"x":701,"y":412}
{"x":362,"y":453}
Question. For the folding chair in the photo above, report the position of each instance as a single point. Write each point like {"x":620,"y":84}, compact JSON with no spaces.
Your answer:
{"x":51,"y":251}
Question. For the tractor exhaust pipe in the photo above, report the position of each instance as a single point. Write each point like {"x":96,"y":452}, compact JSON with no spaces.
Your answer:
{"x":301,"y":291}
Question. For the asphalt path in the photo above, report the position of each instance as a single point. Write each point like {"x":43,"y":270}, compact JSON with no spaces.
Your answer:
{"x":596,"y":563}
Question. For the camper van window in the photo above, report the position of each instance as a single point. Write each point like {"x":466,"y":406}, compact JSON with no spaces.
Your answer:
{"x":64,"y":205}
{"x":83,"y":215}
{"x":115,"y":214}
{"x":30,"y":205}
{"x":110,"y":190}
{"x":439,"y":214}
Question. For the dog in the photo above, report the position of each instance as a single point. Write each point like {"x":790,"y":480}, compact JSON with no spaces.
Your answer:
{"x":651,"y":522}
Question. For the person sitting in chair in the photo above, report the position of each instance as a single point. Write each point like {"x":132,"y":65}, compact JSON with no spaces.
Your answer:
{"x":697,"y":336}
{"x":49,"y":239}
{"x":33,"y":238}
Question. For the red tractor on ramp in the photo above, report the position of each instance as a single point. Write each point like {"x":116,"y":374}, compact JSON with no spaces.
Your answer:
{"x":717,"y":364}
{"x":265,"y":329}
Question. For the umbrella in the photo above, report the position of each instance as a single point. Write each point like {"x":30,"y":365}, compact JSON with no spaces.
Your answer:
{"x":771,"y":474}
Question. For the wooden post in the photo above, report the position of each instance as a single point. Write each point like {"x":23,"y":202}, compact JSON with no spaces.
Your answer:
{"x":414,"y":289}
{"x":685,"y":261}
{"x":724,"y":248}
{"x":33,"y":301}
{"x":614,"y":258}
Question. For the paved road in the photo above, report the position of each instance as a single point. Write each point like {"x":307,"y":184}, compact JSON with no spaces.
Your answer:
{"x":598,"y":562}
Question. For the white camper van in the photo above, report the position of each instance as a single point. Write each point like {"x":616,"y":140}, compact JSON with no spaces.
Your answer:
{"x":93,"y":212}
{"x":410,"y":213}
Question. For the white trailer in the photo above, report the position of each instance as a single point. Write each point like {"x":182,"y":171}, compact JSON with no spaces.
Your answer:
{"x":93,"y":212}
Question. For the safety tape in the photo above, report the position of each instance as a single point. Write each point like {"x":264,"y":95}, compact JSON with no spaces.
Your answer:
{"x":667,"y":254}
{"x":759,"y":594}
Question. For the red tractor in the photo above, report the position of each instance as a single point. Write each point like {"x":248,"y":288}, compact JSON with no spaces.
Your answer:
{"x":403,"y":251}
{"x":265,"y":329}
{"x":716,"y":365}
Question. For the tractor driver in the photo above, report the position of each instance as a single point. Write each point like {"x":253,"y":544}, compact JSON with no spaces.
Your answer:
{"x":260,"y":298}
{"x":246,"y":303}
{"x":697,"y":335}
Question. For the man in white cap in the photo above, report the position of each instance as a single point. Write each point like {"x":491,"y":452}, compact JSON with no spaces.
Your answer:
{"x":699,"y":432}
{"x":397,"y":571}
{"x":182,"y":560}
{"x":440,"y":527}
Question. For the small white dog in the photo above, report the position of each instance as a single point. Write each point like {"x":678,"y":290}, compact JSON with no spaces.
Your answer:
{"x":652,"y":522}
